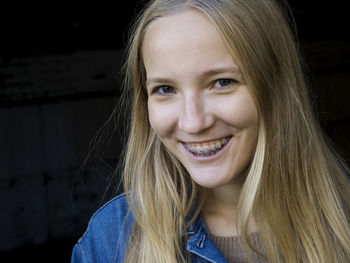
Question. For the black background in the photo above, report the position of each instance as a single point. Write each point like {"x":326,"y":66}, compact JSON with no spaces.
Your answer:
{"x":29,"y":28}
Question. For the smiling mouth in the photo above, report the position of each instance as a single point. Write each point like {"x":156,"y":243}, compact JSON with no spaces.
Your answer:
{"x":207,"y":148}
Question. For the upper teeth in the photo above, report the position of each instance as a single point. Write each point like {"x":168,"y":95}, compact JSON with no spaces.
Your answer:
{"x":207,"y":148}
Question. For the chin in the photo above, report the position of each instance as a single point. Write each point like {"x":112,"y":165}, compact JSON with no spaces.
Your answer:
{"x":212,"y":179}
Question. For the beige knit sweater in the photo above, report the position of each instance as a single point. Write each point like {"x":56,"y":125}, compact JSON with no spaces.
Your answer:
{"x":231,"y":249}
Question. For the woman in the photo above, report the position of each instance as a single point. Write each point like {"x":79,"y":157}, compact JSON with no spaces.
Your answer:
{"x":225,"y":161}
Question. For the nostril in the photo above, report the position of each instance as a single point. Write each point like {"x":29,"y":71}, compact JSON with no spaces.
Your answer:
{"x":194,"y":124}
{"x":195,"y":121}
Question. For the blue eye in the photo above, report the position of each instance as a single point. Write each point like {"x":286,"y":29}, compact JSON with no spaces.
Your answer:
{"x":164,"y":90}
{"x":224,"y":83}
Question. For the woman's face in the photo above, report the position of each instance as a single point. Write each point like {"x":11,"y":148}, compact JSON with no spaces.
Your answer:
{"x":198,"y":103}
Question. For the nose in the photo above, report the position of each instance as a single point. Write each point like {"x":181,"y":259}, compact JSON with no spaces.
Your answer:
{"x":195,"y":115}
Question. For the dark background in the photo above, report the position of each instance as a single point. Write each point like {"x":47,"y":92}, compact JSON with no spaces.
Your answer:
{"x":59,"y":83}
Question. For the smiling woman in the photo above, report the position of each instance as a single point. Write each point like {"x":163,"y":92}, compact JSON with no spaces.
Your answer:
{"x":198,"y":104}
{"x":225,"y":161}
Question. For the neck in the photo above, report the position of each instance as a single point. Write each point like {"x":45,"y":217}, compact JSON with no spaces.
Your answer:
{"x":220,"y":209}
{"x":222,"y":200}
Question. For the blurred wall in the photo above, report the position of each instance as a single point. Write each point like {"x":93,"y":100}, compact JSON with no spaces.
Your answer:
{"x":51,"y":107}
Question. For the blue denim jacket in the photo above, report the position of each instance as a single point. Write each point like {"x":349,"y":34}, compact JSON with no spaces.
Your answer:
{"x":107,"y":236}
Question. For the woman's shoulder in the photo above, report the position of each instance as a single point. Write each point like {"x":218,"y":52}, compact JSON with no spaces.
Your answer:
{"x":107,"y":234}
{"x":112,"y":211}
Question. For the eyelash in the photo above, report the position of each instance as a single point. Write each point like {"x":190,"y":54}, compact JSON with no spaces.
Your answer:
{"x":160,"y":89}
{"x":231,"y":82}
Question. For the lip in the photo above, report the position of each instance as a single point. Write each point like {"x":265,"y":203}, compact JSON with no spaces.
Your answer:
{"x":211,"y":140}
{"x":209,"y":157}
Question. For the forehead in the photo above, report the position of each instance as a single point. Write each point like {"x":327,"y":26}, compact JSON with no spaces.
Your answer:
{"x":184,"y":40}
{"x":189,"y":24}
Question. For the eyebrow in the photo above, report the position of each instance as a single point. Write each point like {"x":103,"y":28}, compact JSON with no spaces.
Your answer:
{"x":207,"y":73}
{"x":220,"y":70}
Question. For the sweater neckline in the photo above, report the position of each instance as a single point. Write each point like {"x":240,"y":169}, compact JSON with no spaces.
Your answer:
{"x":252,"y":234}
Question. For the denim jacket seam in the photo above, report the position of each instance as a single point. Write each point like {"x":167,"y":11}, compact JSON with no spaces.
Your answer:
{"x":82,"y":249}
{"x":118,"y":241}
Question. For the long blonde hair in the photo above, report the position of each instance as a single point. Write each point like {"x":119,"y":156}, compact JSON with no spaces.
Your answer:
{"x":296,"y":189}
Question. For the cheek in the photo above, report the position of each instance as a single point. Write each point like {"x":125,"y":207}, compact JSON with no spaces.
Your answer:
{"x":247,"y":114}
{"x":240,"y":113}
{"x":162,"y":119}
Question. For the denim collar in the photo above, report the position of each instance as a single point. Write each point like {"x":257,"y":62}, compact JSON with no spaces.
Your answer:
{"x":199,"y":243}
